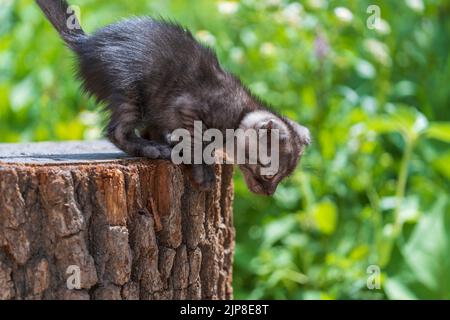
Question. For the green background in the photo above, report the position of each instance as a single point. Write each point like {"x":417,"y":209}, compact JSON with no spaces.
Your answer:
{"x":371,"y":193}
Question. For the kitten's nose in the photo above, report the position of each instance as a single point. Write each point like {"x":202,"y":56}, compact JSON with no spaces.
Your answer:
{"x":270,"y":192}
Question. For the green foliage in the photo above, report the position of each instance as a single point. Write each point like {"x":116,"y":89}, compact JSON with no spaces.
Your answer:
{"x":373,"y":187}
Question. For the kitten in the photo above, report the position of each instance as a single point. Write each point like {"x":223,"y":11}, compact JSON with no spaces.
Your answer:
{"x":155,"y":77}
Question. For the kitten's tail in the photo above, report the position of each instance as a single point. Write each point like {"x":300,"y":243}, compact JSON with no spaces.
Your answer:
{"x":63,"y":18}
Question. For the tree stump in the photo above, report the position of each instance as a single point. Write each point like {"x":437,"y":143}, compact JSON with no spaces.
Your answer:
{"x":81,"y":220}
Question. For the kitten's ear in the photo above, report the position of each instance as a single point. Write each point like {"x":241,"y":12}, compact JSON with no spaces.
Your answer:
{"x":301,"y":131}
{"x":267,"y":124}
{"x":272,"y":124}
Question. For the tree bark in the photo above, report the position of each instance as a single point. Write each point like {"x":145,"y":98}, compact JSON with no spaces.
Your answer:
{"x":119,"y":227}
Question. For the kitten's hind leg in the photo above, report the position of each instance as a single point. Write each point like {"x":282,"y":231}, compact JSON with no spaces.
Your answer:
{"x":121,"y":132}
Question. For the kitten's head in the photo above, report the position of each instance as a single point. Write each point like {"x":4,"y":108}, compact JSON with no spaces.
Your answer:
{"x":292,"y":140}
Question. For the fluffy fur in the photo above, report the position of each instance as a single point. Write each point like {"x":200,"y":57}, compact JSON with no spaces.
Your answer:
{"x":155,"y":77}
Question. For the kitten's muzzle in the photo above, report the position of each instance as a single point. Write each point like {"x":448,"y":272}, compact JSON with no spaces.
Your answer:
{"x":254,"y":185}
{"x":258,"y":189}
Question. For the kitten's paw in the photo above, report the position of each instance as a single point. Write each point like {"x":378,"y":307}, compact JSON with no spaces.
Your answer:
{"x":165,"y":152}
{"x":151,"y":152}
{"x":157,"y":152}
{"x":204,"y":177}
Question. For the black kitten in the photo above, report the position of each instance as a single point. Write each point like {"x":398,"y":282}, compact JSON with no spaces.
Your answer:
{"x":155,"y":78}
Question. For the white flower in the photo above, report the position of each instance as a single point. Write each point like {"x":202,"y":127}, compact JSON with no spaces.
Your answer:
{"x":382,"y":26}
{"x":237,"y":55}
{"x":379,"y":51}
{"x":317,"y":4}
{"x":206,"y":37}
{"x":228,"y":7}
{"x":268,"y":49}
{"x":92,"y":134}
{"x":249,"y":37}
{"x":343,"y":14}
{"x":416,"y":5}
{"x":292,"y":13}
{"x":259,"y":88}
{"x":365,"y":69}
{"x":89,"y":118}
{"x":273,"y":3}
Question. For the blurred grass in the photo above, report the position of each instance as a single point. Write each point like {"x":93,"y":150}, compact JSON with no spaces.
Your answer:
{"x":372,"y":189}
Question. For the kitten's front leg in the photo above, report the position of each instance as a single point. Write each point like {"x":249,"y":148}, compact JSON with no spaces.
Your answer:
{"x":202,"y":176}
{"x":121,"y":132}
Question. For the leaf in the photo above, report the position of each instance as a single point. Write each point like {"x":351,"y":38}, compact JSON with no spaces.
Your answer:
{"x":278,"y":229}
{"x":441,"y":164}
{"x":325,"y":217}
{"x":365,"y":69}
{"x":388,"y":203}
{"x":403,"y":119}
{"x":409,"y":210}
{"x":359,"y":252}
{"x":427,"y":251}
{"x":404,"y":88}
{"x":22,"y":94}
{"x":287,"y":197}
{"x":439,"y":131}
{"x":383,"y":124}
{"x":397,"y":290}
{"x":385,"y":245}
